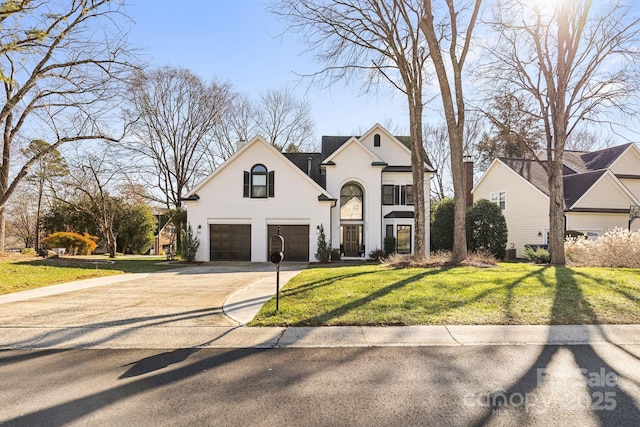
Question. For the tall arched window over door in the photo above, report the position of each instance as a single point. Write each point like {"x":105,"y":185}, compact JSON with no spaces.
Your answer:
{"x":352,"y":220}
{"x":351,"y":202}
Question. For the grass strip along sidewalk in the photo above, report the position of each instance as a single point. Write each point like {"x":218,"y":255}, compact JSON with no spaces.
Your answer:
{"x":511,"y":294}
{"x":19,"y":273}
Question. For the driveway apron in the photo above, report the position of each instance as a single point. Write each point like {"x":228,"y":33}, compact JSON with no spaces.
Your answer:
{"x":188,"y":296}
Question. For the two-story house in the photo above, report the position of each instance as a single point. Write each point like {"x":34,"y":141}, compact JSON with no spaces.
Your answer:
{"x":357,"y":188}
{"x":599,"y":189}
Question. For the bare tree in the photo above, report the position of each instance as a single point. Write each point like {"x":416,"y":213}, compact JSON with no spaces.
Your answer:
{"x":61,"y":64}
{"x":448,"y":34}
{"x":49,"y":167}
{"x":381,"y":40}
{"x":283,"y":120}
{"x":238,"y":124}
{"x":586,"y":140}
{"x":513,"y":131}
{"x":21,"y":217}
{"x":176,"y":114}
{"x":89,"y":186}
{"x":575,"y":63}
{"x":436,"y":143}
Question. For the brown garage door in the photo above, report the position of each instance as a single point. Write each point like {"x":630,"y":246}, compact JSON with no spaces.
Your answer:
{"x":230,"y":242}
{"x":296,"y":241}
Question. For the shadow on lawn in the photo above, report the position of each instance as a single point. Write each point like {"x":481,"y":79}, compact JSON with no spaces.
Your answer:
{"x":610,"y":404}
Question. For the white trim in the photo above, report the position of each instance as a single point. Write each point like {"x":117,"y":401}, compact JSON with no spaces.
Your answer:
{"x":255,"y":140}
{"x":211,"y":221}
{"x":352,"y":140}
{"x":495,"y":162}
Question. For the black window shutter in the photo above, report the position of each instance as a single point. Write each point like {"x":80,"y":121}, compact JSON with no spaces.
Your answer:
{"x":245,"y":190}
{"x":272,"y":182}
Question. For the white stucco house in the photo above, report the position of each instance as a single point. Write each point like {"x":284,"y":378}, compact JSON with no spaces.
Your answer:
{"x":358,"y":188}
{"x":599,"y":188}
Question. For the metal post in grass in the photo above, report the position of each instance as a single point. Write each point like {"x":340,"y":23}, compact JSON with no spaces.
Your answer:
{"x":276,"y":248}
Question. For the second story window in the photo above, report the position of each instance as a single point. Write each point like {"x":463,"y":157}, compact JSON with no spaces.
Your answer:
{"x":397,"y":195}
{"x":259,"y":183}
{"x":500,"y":199}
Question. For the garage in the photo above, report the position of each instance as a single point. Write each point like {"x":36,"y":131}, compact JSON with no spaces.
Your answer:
{"x":230,"y":242}
{"x":296,"y":241}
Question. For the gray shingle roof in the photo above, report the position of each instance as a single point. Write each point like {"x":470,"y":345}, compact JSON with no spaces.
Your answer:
{"x":301,"y":160}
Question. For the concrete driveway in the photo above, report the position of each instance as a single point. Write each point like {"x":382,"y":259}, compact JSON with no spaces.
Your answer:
{"x":185,"y":297}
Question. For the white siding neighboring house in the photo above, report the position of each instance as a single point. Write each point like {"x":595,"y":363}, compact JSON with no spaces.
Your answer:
{"x":238,"y":207}
{"x":599,"y":188}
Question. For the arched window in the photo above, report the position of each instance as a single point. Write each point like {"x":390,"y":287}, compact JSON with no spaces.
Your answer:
{"x":376,"y":140}
{"x":351,"y":202}
{"x":259,"y":181}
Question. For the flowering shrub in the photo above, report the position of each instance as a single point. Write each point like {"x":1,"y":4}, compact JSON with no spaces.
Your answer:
{"x":74,"y":243}
{"x":616,"y":248}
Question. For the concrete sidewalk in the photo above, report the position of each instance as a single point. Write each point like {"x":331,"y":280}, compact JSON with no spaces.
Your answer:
{"x":243,"y":304}
{"x":172,"y":337}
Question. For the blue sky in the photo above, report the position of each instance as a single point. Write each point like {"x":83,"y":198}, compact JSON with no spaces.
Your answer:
{"x":241,"y":42}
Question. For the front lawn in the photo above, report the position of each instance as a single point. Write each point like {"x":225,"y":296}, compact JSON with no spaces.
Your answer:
{"x":511,"y":294}
{"x":19,"y":273}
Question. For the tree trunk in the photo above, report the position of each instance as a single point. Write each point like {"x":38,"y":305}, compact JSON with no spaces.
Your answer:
{"x":459,"y":252}
{"x":556,"y":211}
{"x":417,"y":168}
{"x":2,"y":229}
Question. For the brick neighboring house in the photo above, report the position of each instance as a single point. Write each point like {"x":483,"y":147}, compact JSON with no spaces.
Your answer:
{"x":358,"y":188}
{"x":599,"y":188}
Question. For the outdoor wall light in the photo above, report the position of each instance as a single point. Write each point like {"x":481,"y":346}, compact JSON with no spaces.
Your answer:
{"x":317,"y":229}
{"x":199,"y":229}
{"x":539,"y":233}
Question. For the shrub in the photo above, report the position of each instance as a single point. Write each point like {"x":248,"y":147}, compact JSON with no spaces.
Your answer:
{"x":190,"y":246}
{"x":324,"y":250}
{"x":439,"y":259}
{"x":442,"y":226}
{"x":28,"y":251}
{"x":335,"y":254}
{"x":616,"y":248}
{"x":376,"y":254}
{"x":389,"y":245}
{"x":486,"y":229}
{"x":538,"y":256}
{"x":74,"y":243}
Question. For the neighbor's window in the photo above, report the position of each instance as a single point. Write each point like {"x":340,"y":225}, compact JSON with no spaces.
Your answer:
{"x":259,"y":181}
{"x":499,"y":199}
{"x":387,"y":195}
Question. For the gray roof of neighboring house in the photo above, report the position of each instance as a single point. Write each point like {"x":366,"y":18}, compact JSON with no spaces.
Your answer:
{"x":589,"y":161}
{"x":531,"y":170}
{"x":575,"y":184}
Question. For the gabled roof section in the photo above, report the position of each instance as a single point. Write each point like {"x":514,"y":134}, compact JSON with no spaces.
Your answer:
{"x":575,"y":186}
{"x":531,"y":170}
{"x":353,"y":140}
{"x":330,"y":144}
{"x":257,"y":140}
{"x":603,"y":159}
{"x":301,"y":160}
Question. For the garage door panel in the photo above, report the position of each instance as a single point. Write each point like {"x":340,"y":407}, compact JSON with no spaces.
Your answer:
{"x":296,"y":241}
{"x":230,"y":242}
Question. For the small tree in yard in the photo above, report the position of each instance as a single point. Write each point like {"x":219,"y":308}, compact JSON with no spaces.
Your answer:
{"x":190,"y":246}
{"x":486,"y":229}
{"x":324,"y":249}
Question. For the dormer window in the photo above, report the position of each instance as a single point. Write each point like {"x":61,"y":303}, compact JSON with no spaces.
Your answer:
{"x":376,"y":140}
{"x":259,"y":182}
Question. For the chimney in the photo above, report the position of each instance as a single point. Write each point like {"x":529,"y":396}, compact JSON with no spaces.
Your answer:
{"x":241,"y":143}
{"x":467,"y":181}
{"x":309,"y":160}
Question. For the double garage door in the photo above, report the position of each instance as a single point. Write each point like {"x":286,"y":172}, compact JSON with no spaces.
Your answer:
{"x":232,"y":242}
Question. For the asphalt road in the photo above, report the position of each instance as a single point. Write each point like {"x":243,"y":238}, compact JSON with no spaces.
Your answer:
{"x":583,"y":385}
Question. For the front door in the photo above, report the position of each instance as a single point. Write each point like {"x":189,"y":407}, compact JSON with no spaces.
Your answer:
{"x":351,"y":240}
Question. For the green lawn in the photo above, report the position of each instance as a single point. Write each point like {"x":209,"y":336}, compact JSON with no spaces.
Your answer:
{"x":512,"y":294}
{"x":27,"y":272}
